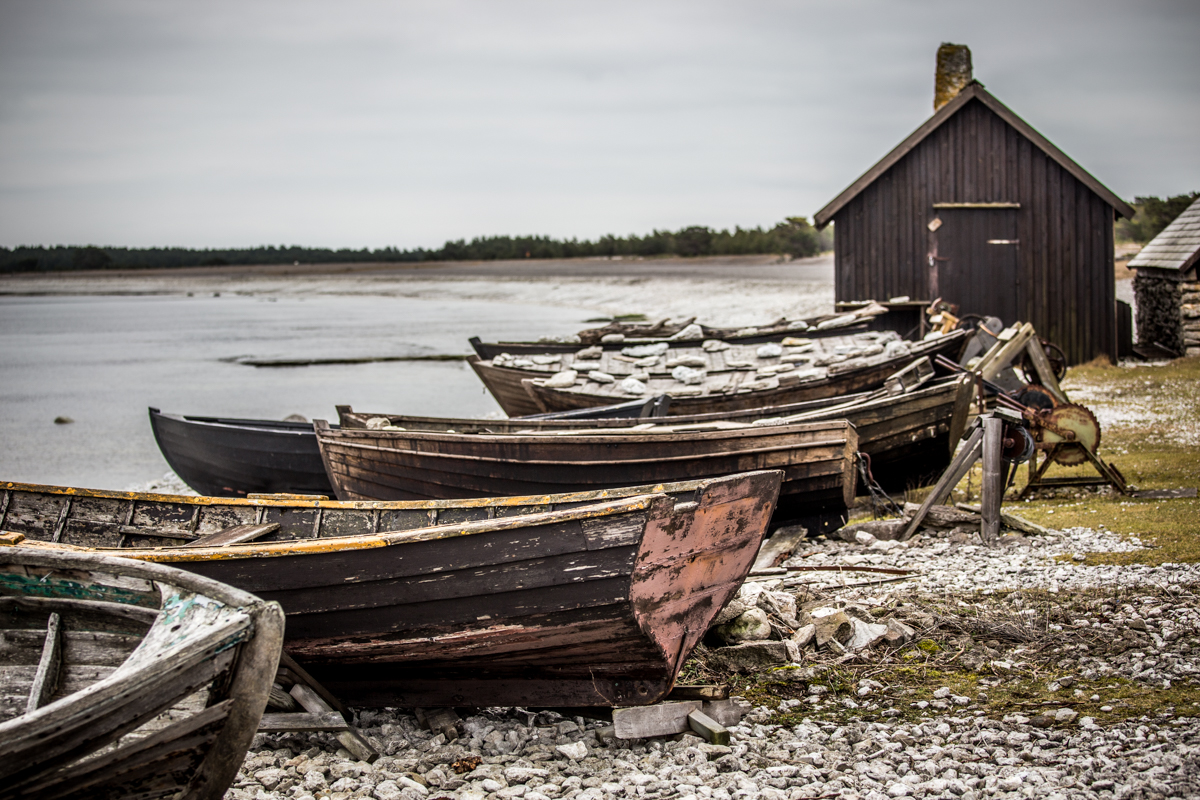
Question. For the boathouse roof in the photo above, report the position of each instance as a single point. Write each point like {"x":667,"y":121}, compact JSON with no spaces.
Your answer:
{"x":974,"y":90}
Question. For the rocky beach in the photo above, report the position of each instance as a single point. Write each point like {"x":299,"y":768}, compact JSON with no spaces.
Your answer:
{"x":1030,"y":674}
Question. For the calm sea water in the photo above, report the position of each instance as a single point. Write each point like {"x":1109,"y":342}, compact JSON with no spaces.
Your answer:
{"x":103,"y":360}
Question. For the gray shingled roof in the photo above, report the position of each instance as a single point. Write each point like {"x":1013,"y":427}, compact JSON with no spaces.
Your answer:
{"x":1177,"y":247}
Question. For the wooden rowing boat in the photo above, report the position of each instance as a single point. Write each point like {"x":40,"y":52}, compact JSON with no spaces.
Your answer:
{"x":125,"y":679}
{"x":702,"y":380}
{"x":231,"y":457}
{"x":578,"y":600}
{"x":616,"y":335}
{"x":908,"y":434}
{"x":817,"y":459}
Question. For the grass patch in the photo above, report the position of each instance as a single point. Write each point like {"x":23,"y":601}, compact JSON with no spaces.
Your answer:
{"x":1150,"y":430}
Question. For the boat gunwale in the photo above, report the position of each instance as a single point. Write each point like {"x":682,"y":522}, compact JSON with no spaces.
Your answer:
{"x":599,"y":495}
{"x":328,"y":544}
{"x":339,"y":441}
{"x":609,"y":435}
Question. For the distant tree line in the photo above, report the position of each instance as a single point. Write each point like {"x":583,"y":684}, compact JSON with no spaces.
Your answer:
{"x":1152,"y":215}
{"x":794,"y":236}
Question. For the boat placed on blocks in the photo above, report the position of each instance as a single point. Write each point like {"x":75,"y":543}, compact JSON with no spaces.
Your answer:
{"x":125,"y":679}
{"x":817,"y":460}
{"x":583,"y":599}
{"x":711,"y":379}
{"x":908,"y":430}
{"x":231,"y":457}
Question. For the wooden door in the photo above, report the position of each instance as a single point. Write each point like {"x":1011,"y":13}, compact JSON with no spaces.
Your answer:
{"x":977,"y":261}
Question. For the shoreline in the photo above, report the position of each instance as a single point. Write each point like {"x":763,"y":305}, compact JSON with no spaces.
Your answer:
{"x":720,"y":290}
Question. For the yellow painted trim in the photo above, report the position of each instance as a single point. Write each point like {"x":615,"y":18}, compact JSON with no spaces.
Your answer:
{"x":333,"y":544}
{"x":365,"y":505}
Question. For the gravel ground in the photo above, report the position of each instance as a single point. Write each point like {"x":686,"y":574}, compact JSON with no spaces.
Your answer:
{"x":1087,"y":637}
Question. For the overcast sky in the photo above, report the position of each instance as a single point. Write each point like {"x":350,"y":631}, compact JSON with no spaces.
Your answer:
{"x":352,"y":124}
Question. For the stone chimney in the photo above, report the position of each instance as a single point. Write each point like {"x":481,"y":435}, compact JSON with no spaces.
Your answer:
{"x":953,"y":73}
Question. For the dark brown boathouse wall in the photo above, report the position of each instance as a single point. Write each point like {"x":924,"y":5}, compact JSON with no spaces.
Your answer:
{"x":1020,"y":234}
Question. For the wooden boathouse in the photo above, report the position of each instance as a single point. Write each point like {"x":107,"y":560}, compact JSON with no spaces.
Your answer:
{"x":978,"y":208}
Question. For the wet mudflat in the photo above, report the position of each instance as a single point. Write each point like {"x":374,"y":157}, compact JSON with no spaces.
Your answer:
{"x":101,"y":360}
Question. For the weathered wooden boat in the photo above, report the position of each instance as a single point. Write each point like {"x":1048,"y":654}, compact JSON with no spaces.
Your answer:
{"x":909,"y":434}
{"x":230,"y":457}
{"x":582,"y":599}
{"x":125,"y":679}
{"x":686,"y":332}
{"x":817,"y":459}
{"x":707,"y":380}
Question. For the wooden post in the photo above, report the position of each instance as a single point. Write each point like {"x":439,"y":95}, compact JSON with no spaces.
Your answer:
{"x":993,"y":482}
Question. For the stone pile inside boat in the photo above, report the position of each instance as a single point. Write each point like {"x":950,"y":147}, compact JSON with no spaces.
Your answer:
{"x":686,"y":371}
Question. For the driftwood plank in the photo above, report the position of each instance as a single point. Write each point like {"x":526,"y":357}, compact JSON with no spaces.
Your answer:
{"x":779,"y":547}
{"x":234,"y":535}
{"x":330,"y":721}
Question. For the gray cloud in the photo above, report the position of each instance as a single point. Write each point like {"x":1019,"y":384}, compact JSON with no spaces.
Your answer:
{"x":376,"y":123}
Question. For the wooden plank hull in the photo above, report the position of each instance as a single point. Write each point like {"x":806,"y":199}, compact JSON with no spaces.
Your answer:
{"x":817,"y":460}
{"x":909,"y":437}
{"x":520,"y":391}
{"x":591,"y":604}
{"x":102,"y":647}
{"x":225,"y":457}
{"x":228,"y":457}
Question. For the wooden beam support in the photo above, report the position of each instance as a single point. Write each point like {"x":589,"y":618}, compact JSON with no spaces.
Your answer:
{"x":45,"y":680}
{"x":1045,"y":372}
{"x":958,"y":468}
{"x":709,"y":728}
{"x":705,"y":693}
{"x":359,"y":747}
{"x":1004,"y":351}
{"x":775,"y":550}
{"x":439,"y":720}
{"x":301,"y":676}
{"x":662,"y":719}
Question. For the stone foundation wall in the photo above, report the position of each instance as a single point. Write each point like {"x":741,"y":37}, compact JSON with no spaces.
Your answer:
{"x":1160,"y":313}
